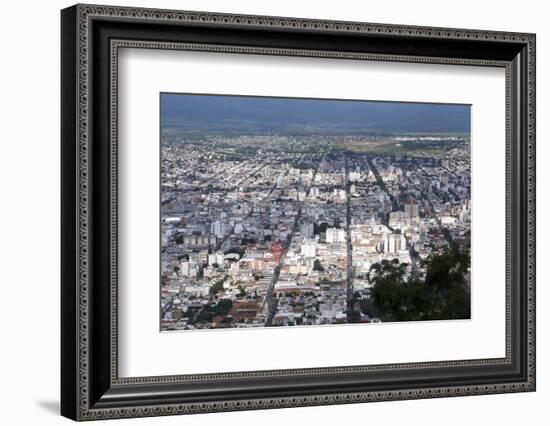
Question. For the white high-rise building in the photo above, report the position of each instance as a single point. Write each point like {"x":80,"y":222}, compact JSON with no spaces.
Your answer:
{"x":308,"y":248}
{"x":314,"y":192}
{"x":307,"y":229}
{"x":355,"y":176}
{"x":335,"y":235}
{"x":184,"y":268}
{"x":395,"y":243}
{"x":411,"y":209}
{"x":216,"y":258}
{"x":218,"y":228}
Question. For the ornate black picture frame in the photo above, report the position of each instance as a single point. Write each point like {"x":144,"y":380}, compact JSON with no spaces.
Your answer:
{"x":90,"y":38}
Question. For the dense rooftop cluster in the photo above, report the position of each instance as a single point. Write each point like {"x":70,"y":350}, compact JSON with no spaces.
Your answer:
{"x":280,"y":230}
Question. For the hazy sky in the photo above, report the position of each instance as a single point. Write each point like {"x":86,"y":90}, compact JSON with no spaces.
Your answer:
{"x":241,"y":112}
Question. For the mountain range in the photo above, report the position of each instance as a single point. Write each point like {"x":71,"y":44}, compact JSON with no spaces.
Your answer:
{"x":272,"y":113}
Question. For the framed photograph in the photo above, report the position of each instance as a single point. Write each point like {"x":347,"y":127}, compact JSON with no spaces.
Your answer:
{"x":263,"y":212}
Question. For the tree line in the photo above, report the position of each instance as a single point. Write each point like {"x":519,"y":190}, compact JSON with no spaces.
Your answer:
{"x":443,"y":294}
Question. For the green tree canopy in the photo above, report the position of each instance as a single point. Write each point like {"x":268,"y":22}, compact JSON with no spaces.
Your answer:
{"x":223,"y":307}
{"x":444,"y":294}
{"x":217,"y":287}
{"x":317,"y":266}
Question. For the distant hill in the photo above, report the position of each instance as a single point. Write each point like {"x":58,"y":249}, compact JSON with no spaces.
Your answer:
{"x":268,"y":113}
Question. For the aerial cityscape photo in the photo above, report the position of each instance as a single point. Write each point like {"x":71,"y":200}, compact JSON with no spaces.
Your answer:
{"x":298,"y":212}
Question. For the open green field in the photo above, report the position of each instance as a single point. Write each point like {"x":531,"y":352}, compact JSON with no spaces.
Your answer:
{"x":391,"y":146}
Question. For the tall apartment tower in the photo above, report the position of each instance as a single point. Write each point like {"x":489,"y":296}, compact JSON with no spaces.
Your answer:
{"x":411,"y":209}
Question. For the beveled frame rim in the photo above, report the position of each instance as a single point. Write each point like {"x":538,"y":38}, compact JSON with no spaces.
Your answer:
{"x":87,"y":13}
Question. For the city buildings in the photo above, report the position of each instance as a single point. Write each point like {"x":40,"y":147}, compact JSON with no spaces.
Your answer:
{"x":284,"y":230}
